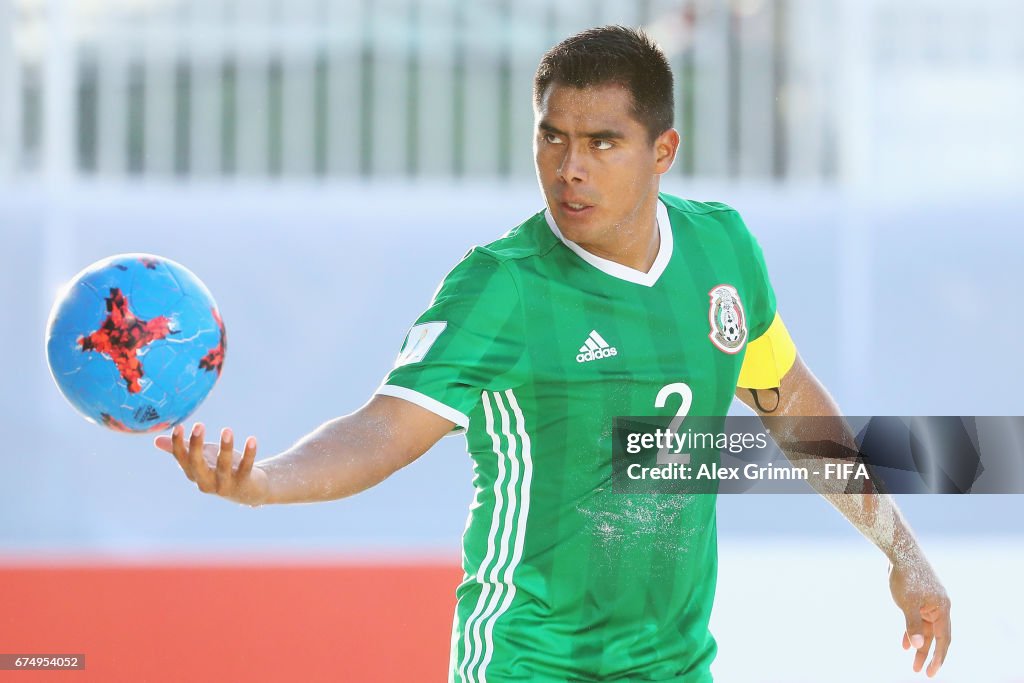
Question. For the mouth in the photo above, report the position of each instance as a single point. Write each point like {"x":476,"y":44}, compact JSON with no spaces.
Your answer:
{"x":575,"y":208}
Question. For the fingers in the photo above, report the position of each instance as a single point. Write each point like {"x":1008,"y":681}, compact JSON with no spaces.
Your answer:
{"x":203,"y":475}
{"x":922,"y":654}
{"x":248,"y":458}
{"x":917,"y":637}
{"x":933,"y":628}
{"x":914,"y":636}
{"x":942,"y":628}
{"x":224,"y":461}
{"x":179,"y":451}
{"x":926,"y":607}
{"x":938,"y":657}
{"x":210,"y":466}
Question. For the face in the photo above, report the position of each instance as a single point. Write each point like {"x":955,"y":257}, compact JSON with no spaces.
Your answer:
{"x":597,"y":167}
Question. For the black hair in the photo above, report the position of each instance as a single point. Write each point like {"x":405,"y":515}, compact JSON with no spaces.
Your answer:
{"x":613,"y":54}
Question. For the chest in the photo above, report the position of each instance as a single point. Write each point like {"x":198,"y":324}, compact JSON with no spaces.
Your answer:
{"x":626,"y":342}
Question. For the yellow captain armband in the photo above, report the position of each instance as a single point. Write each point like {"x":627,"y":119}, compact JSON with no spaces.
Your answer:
{"x":768,"y":358}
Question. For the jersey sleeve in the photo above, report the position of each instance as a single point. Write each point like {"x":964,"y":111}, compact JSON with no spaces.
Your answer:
{"x":469,"y":339}
{"x":770,"y":351}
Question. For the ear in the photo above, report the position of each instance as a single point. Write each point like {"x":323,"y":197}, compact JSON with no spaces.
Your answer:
{"x":665,"y":147}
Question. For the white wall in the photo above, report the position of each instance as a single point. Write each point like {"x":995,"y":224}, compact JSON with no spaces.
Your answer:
{"x":342,"y":270}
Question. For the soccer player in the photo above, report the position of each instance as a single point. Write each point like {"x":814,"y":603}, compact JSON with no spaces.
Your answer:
{"x":614,"y":300}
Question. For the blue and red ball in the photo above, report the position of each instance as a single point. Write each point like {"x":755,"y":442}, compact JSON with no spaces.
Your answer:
{"x":135,"y":343}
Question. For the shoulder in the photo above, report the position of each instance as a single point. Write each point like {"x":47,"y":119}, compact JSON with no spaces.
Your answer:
{"x":714,"y":223}
{"x":491,"y":268}
{"x":707,"y":213}
{"x":531,"y":238}
{"x":500,"y":258}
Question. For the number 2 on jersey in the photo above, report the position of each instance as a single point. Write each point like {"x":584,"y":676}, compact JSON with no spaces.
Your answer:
{"x":686,"y":401}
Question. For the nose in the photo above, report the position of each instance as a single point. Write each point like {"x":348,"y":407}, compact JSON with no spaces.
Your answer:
{"x":573,"y":166}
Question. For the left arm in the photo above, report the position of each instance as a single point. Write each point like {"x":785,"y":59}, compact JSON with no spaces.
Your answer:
{"x":915,"y":587}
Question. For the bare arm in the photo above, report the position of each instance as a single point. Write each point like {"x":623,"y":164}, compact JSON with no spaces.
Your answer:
{"x":915,"y":587}
{"x":801,"y":395}
{"x":340,"y":458}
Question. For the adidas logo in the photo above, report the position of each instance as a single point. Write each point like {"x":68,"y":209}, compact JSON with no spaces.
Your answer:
{"x":595,"y":348}
{"x":146,"y":414}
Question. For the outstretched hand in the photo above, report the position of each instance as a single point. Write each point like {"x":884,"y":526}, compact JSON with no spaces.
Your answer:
{"x":918,"y":592}
{"x":218,"y":469}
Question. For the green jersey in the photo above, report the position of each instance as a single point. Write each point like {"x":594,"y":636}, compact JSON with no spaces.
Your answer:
{"x":533,"y":345}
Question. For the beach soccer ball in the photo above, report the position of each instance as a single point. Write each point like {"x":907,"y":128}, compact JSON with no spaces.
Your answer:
{"x":135,"y":343}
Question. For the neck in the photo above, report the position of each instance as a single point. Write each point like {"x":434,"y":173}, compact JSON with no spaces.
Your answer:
{"x":636,"y":241}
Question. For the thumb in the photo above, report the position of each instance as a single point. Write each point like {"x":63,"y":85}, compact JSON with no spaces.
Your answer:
{"x":915,"y":631}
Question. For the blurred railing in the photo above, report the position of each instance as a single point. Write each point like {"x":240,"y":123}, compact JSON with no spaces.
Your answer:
{"x":766,"y":89}
{"x":305,"y":88}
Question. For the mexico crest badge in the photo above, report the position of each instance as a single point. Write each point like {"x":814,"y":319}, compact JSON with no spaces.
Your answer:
{"x":728,"y":321}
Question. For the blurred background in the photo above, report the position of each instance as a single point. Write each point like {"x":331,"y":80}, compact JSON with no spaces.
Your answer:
{"x":321,"y":164}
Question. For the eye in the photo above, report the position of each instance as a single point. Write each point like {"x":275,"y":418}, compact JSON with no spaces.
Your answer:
{"x":553,"y":139}
{"x":602,"y":144}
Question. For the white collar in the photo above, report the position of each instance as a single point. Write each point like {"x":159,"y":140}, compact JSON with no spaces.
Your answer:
{"x":618,"y":270}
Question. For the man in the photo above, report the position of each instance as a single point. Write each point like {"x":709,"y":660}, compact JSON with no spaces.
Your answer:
{"x":616,"y":300}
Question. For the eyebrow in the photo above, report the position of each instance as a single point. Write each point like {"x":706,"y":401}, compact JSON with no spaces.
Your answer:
{"x":598,"y":134}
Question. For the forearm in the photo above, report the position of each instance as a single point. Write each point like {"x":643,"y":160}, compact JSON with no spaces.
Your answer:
{"x":873,"y":513}
{"x":809,"y":428}
{"x":340,"y":458}
{"x":877,"y":516}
